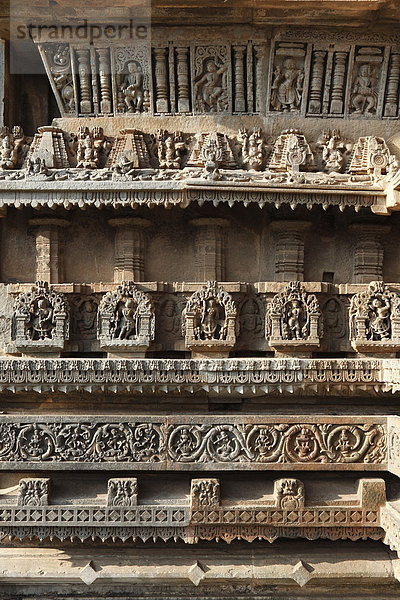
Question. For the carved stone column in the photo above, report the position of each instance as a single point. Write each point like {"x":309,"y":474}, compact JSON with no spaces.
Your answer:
{"x":130,"y":249}
{"x":339,"y":72}
{"x":368,"y":255}
{"x":317,"y":78}
{"x":161,"y":80}
{"x":289,"y":262}
{"x":240,"y":103}
{"x":85,"y":104}
{"x":391,"y":106}
{"x":105,"y":84}
{"x":183,"y":79}
{"x":210,"y":249}
{"x":49,"y":249}
{"x":260,"y":55}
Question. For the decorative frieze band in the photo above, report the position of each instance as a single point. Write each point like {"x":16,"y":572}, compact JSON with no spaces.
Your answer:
{"x":286,"y":514}
{"x":194,"y":442}
{"x":227,"y":376}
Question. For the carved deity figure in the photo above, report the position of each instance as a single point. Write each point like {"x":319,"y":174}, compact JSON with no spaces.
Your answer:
{"x":90,"y":145}
{"x":41,"y":320}
{"x":252,"y":149}
{"x":170,"y":148}
{"x":211,"y":88}
{"x":333,"y":151}
{"x":84,"y":317}
{"x":132,"y":87}
{"x":127,"y":320}
{"x":11,"y":143}
{"x":287,"y":86}
{"x":374,"y":314}
{"x":293,"y":315}
{"x":364,"y":94}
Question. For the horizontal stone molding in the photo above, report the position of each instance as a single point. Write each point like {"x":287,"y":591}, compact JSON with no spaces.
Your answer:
{"x":252,"y":377}
{"x":286,"y":514}
{"x":194,"y":442}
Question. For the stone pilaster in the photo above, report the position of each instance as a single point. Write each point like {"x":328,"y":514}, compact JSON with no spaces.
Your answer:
{"x":289,"y":261}
{"x":210,"y":249}
{"x":368,"y":254}
{"x":130,"y":248}
{"x":49,"y":249}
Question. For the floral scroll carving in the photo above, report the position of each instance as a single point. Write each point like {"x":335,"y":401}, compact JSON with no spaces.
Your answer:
{"x":126,"y":320}
{"x":34,"y":492}
{"x":293,"y":319}
{"x":41,"y":319}
{"x":209,"y":320}
{"x":375,"y":318}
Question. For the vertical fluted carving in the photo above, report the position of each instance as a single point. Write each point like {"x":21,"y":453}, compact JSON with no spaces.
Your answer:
{"x":391,"y":105}
{"x":317,"y":80}
{"x":85,"y":104}
{"x":339,"y":73}
{"x":129,"y":249}
{"x":183,"y":79}
{"x":240,"y":103}
{"x":105,"y":85}
{"x":161,"y":79}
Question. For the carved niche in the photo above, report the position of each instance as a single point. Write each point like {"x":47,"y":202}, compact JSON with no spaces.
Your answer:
{"x":291,"y":152}
{"x":371,"y":155}
{"x":287,"y":83}
{"x":293,"y":319}
{"x":133,"y":79}
{"x":211,"y":89}
{"x":126,"y":320}
{"x":209,"y":321}
{"x":41,"y":319}
{"x":375,"y":319}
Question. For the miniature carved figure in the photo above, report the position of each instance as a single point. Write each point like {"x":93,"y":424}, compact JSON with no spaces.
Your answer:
{"x":364,"y":94}
{"x":333,"y":151}
{"x":170,"y":148}
{"x":132,"y":87}
{"x":289,"y":494}
{"x":287,"y":86}
{"x":293,"y":315}
{"x":60,"y":67}
{"x":374,"y":314}
{"x":252,"y":149}
{"x":41,"y":317}
{"x":126,"y":318}
{"x":204,"y":493}
{"x":11,"y":143}
{"x":84,"y":317}
{"x":211,"y":88}
{"x":90,"y":144}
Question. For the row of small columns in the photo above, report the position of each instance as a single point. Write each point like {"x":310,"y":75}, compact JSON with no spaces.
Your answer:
{"x":130,"y":249}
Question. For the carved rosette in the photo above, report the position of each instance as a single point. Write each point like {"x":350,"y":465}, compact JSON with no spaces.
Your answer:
{"x":209,"y":321}
{"x":375,"y":319}
{"x":41,"y":319}
{"x":293,"y":319}
{"x":126,"y":320}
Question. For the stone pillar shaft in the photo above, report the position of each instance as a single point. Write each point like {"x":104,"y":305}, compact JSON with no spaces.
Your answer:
{"x":368,"y":255}
{"x":130,"y":249}
{"x":49,"y":249}
{"x":210,"y":249}
{"x":289,"y":262}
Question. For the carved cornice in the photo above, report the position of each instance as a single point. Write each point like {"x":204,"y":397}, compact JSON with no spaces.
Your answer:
{"x":250,"y":377}
{"x":287,"y":514}
{"x":191,"y":442}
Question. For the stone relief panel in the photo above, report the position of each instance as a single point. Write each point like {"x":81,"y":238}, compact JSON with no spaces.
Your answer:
{"x":293,"y":319}
{"x":33,"y":492}
{"x":12,"y":147}
{"x":251,"y":319}
{"x":209,"y":320}
{"x":84,"y":311}
{"x":375,"y":319}
{"x":122,"y":492}
{"x":133,"y":82}
{"x":211,"y":84}
{"x":41,"y":319}
{"x":287,"y":77}
{"x":264,"y":443}
{"x":126,"y":320}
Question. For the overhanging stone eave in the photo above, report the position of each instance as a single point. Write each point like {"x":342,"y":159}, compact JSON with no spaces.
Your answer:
{"x":114,"y":194}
